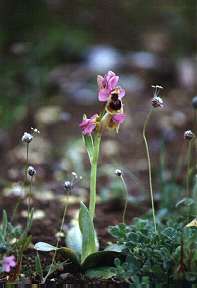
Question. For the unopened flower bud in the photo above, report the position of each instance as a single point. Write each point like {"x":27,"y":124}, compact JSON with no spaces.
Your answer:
{"x":31,"y":171}
{"x":75,"y":175}
{"x":35,"y":131}
{"x":157,"y":102}
{"x":27,"y":137}
{"x":68,"y":186}
{"x":3,"y":249}
{"x":188,"y":135}
{"x":194,"y":102}
{"x":118,"y":172}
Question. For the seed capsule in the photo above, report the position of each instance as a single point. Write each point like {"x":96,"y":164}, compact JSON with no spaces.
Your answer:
{"x":3,"y":249}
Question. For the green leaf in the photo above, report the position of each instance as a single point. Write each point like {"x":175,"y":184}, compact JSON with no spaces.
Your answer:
{"x":100,"y":259}
{"x":74,"y":238}
{"x":185,"y":202}
{"x":38,"y":266}
{"x":45,"y":247}
{"x":88,"y":141}
{"x":65,"y":253}
{"x":100,"y":273}
{"x":26,"y":242}
{"x":115,"y":248}
{"x":88,"y":233}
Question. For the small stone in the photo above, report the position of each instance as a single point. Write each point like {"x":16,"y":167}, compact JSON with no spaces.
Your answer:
{"x":65,"y":275}
{"x":102,"y":58}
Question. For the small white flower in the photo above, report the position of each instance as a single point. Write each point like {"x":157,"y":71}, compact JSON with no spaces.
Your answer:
{"x":35,"y":131}
{"x":157,"y":102}
{"x":118,"y":172}
{"x":68,"y":186}
{"x":27,"y":137}
{"x":75,"y":175}
{"x":188,"y":135}
{"x":31,"y":171}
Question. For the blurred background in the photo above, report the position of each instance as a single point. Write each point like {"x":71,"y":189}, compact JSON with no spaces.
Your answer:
{"x":50,"y":54}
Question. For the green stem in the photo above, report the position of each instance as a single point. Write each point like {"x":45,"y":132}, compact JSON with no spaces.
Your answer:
{"x":188,"y":168}
{"x":25,"y":183}
{"x":93,"y":176}
{"x":149,"y":167}
{"x":29,"y":196}
{"x":126,"y":199}
{"x":27,"y":163}
{"x":195,"y":146}
{"x":58,"y":241}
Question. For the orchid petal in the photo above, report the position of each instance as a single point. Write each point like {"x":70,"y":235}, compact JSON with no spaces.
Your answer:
{"x":121,"y":92}
{"x":109,"y":75}
{"x":100,"y":81}
{"x":103,"y":95}
{"x":113,"y":81}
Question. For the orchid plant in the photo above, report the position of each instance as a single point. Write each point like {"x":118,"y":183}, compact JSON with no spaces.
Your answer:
{"x":92,"y":128}
{"x":84,"y":251}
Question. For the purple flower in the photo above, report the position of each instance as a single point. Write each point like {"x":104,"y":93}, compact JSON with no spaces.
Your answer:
{"x":88,"y":125}
{"x":8,"y":263}
{"x":107,"y":84}
{"x":118,"y":118}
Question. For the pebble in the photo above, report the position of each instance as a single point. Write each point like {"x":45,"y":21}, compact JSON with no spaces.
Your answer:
{"x":102,"y":58}
{"x":143,"y":60}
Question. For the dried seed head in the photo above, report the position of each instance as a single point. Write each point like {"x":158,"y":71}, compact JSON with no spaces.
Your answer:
{"x":27,"y":137}
{"x":118,"y":172}
{"x":68,"y":186}
{"x":157,"y":86}
{"x":194,"y":102}
{"x":157,"y":102}
{"x":188,"y":135}
{"x":31,"y":171}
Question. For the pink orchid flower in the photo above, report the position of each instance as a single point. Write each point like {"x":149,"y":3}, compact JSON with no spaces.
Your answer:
{"x":8,"y":263}
{"x":107,"y":84}
{"x":88,"y":125}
